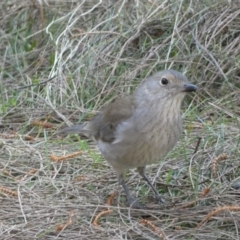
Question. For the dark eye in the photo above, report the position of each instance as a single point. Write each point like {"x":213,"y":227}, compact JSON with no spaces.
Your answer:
{"x":163,"y":81}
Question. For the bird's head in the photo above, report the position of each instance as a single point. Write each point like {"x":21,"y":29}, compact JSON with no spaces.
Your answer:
{"x":165,"y":84}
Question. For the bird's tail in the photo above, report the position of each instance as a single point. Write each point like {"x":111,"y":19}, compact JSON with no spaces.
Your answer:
{"x":80,"y":129}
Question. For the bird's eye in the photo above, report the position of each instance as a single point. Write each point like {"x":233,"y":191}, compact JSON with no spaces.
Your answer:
{"x":164,"y":81}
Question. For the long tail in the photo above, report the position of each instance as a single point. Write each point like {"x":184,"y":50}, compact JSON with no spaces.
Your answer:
{"x":77,"y":129}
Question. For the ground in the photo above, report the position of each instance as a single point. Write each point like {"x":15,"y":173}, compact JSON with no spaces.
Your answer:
{"x":61,"y":62}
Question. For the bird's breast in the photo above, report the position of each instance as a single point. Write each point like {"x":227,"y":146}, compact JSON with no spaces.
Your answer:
{"x":144,"y":138}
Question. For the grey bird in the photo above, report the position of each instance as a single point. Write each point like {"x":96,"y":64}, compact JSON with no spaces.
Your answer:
{"x":140,"y":129}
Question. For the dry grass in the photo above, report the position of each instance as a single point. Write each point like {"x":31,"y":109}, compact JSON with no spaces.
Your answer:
{"x":63,"y":60}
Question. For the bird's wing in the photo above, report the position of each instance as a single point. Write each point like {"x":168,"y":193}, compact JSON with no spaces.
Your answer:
{"x":107,"y":120}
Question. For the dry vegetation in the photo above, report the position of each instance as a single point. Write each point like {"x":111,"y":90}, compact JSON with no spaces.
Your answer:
{"x":60,"y":62}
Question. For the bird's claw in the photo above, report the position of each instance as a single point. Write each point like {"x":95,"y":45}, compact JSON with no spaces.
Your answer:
{"x":134,"y":203}
{"x":159,"y":199}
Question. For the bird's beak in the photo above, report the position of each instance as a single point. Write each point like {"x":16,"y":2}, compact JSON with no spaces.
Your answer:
{"x":189,"y":88}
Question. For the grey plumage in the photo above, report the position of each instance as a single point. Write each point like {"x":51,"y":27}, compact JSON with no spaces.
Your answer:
{"x":140,"y":129}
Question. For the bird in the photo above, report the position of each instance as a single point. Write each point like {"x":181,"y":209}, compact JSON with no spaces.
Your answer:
{"x":139,"y":129}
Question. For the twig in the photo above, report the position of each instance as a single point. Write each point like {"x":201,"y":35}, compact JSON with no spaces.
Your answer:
{"x":96,"y":219}
{"x":156,"y":229}
{"x":43,"y":124}
{"x":109,"y":203}
{"x":189,"y":204}
{"x":110,"y":199}
{"x":197,"y":146}
{"x":205,"y":192}
{"x":8,"y":191}
{"x":63,"y":158}
{"x":32,"y":85}
{"x":62,"y":226}
{"x":215,"y":161}
{"x":217,"y":211}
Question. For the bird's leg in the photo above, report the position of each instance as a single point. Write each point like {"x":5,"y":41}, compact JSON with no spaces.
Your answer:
{"x":158,"y":197}
{"x":132,"y":202}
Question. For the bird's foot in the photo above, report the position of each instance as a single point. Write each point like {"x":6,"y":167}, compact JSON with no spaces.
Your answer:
{"x":159,"y":199}
{"x":134,"y":203}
